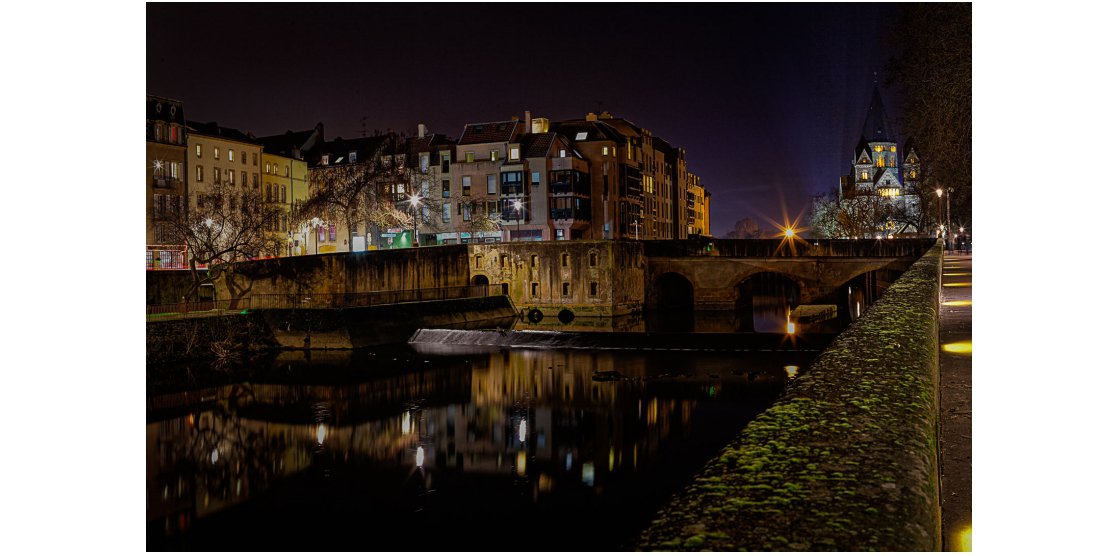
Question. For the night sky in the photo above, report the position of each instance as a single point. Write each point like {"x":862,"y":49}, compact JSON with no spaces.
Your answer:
{"x":768,"y":100}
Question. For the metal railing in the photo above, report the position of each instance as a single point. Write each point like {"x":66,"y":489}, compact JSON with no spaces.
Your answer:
{"x":367,"y":299}
{"x":316,"y":300}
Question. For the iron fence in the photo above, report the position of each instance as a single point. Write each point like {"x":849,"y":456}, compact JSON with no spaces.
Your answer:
{"x":317,"y":300}
{"x":367,"y":299}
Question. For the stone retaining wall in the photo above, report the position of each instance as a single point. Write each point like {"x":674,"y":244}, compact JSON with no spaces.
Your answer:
{"x":846,"y":459}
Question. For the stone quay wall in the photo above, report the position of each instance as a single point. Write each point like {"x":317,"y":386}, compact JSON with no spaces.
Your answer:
{"x":846,"y":459}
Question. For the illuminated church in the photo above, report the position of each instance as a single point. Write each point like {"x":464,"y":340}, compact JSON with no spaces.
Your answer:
{"x":875,"y":183}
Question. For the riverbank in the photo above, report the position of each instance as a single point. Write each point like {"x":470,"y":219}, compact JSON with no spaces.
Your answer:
{"x":846,"y":459}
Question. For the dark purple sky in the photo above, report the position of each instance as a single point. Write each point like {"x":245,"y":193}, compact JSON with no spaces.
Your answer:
{"x":768,"y":100}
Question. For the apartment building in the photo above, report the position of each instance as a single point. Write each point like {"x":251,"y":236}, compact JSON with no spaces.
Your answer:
{"x":166,"y":152}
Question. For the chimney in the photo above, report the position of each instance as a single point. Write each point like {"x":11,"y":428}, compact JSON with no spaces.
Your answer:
{"x":421,"y":130}
{"x":528,"y":122}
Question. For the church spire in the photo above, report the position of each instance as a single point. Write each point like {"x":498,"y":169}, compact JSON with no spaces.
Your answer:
{"x":875,"y":128}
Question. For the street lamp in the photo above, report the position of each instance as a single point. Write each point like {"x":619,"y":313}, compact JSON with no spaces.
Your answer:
{"x":316,"y":223}
{"x":517,"y":205}
{"x":414,"y":200}
{"x":939,"y":192}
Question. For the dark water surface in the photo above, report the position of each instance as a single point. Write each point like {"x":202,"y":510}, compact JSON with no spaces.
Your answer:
{"x":392,"y":450}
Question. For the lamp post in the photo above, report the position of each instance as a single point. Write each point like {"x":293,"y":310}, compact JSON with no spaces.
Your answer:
{"x":517,"y":205}
{"x":316,"y":223}
{"x":414,"y":200}
{"x":939,"y":221}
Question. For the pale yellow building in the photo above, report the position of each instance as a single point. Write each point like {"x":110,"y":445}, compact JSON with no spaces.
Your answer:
{"x":218,"y":154}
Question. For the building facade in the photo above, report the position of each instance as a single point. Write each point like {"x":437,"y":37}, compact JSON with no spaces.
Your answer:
{"x":166,"y":150}
{"x":218,"y":155}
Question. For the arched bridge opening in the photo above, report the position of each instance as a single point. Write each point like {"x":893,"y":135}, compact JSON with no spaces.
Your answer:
{"x":764,"y":301}
{"x":672,"y":302}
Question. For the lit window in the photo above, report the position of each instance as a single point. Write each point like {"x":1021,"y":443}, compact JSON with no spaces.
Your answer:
{"x":268,"y":167}
{"x":605,"y":151}
{"x":863,"y":175}
{"x":470,"y":156}
{"x":231,"y":155}
{"x":198,"y":173}
{"x":559,"y":234}
{"x":493,"y":156}
{"x":563,"y":153}
{"x":893,"y":148}
{"x":353,"y":156}
{"x":216,"y":153}
{"x":198,"y":151}
{"x":878,"y":148}
{"x":514,"y":153}
{"x":325,"y":159}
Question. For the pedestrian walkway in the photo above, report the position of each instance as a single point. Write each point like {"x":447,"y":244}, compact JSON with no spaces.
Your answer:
{"x":956,"y":402}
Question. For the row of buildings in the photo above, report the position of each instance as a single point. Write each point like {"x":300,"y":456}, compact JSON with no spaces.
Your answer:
{"x":524,"y":179}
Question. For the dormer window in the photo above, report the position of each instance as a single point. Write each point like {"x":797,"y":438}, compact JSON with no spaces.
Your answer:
{"x":493,"y":156}
{"x":470,"y":156}
{"x":353,"y":156}
{"x":878,"y":148}
{"x":514,"y":153}
{"x":863,"y":175}
{"x":325,"y":159}
{"x":563,"y":153}
{"x":581,"y":136}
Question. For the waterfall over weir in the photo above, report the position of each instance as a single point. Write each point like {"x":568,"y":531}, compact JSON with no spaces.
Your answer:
{"x":444,"y":341}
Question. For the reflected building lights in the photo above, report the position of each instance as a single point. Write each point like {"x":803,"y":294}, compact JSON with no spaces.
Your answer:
{"x":214,"y":456}
{"x":321,"y":433}
{"x":420,"y":456}
{"x":589,"y":474}
{"x":521,"y":459}
{"x":960,"y":303}
{"x":406,"y":423}
{"x":791,"y":371}
{"x":522,"y":430}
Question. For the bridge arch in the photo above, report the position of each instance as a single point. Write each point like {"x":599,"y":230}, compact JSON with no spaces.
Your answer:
{"x":763,"y":301}
{"x":672,"y":292}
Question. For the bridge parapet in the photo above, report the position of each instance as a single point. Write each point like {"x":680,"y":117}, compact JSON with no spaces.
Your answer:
{"x":769,"y":248}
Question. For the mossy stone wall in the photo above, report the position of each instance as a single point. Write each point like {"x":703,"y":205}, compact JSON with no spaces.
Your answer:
{"x":846,"y":459}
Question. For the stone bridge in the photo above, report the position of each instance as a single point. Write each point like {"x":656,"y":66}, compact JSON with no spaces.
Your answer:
{"x":723,"y":275}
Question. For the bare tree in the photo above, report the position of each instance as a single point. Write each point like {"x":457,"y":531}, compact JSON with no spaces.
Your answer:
{"x":368,"y":192}
{"x":229,"y":223}
{"x":860,"y":216}
{"x":934,"y":71}
{"x":746,"y":228}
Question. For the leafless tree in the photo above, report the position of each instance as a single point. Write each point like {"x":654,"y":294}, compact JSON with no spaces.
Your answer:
{"x":934,"y":70}
{"x":368,"y":192}
{"x":228,"y":223}
{"x":746,"y":228}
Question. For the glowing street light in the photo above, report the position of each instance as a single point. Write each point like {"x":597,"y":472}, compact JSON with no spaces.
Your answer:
{"x":789,"y":232}
{"x":414,"y":201}
{"x":517,"y":205}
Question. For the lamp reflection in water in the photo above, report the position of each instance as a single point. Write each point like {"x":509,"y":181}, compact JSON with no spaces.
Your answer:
{"x":321,"y":433}
{"x":791,"y":371}
{"x":420,"y":456}
{"x":522,"y":430}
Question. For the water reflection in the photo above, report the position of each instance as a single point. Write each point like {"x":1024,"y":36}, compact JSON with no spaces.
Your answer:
{"x":472,"y":444}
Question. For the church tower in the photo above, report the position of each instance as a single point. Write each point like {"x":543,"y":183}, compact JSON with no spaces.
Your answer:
{"x":876,"y":177}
